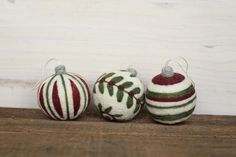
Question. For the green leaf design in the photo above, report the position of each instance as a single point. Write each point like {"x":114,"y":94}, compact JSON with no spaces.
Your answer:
{"x":108,"y":110}
{"x":100,"y":107}
{"x":136,"y":90}
{"x":101,"y":77}
{"x":142,"y":99}
{"x":101,"y":87}
{"x":119,"y":95}
{"x":136,"y":108}
{"x":94,"y":89}
{"x":117,"y":79}
{"x":127,"y":84}
{"x":109,"y":75}
{"x":118,"y":115}
{"x":129,"y":102}
{"x":110,"y":89}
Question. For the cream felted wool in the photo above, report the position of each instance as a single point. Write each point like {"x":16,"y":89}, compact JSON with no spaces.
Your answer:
{"x":170,"y":97}
{"x":63,"y":96}
{"x":119,"y":95}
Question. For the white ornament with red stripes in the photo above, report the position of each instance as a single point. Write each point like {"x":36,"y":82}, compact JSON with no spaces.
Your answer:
{"x":170,"y":97}
{"x":63,"y":96}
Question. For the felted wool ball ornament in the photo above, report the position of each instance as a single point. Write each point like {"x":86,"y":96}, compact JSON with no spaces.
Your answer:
{"x":170,"y":97}
{"x":63,"y":96}
{"x":119,"y":95}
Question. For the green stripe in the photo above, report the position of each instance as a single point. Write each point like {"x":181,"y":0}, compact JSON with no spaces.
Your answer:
{"x":173,"y":117}
{"x":169,"y":107}
{"x":47,"y":97}
{"x":85,"y":98}
{"x":170,"y":95}
{"x":67,"y":103}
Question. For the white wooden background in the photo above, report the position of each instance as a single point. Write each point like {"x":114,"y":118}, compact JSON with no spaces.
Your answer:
{"x":94,"y":36}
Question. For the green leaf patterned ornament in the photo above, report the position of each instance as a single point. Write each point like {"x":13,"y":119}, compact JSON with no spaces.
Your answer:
{"x":119,"y":95}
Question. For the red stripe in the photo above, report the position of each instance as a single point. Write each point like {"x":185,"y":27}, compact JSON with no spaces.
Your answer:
{"x":41,"y":99}
{"x":76,"y":97}
{"x":161,"y":80}
{"x":56,"y":100}
{"x":172,"y":99}
{"x":86,"y":85}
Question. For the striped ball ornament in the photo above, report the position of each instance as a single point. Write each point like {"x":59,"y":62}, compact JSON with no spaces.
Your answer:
{"x":63,"y":96}
{"x":170,"y":97}
{"x":119,"y":95}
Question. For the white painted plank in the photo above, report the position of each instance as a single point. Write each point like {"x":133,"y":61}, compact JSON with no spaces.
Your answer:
{"x":93,"y":36}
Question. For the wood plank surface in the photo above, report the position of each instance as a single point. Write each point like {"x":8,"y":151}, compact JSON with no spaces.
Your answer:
{"x":27,"y":132}
{"x":94,"y":36}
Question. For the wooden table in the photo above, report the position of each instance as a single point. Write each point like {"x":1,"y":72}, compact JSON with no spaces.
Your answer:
{"x":27,"y":132}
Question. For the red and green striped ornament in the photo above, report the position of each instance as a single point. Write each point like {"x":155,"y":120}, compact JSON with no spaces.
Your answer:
{"x":170,"y":97}
{"x":63,"y":96}
{"x":119,"y":95}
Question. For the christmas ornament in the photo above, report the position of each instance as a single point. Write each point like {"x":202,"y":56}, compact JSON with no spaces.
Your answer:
{"x":119,"y":95}
{"x":63,"y":96}
{"x":170,"y":96}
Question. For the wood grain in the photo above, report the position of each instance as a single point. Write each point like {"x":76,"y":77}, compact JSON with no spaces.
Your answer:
{"x":94,"y":36}
{"x":27,"y":132}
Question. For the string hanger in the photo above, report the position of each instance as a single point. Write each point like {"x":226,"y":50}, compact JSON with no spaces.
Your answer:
{"x":44,"y":67}
{"x":174,"y":60}
{"x":168,"y":71}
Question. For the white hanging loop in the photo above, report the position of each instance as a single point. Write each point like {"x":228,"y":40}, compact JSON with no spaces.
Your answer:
{"x":168,"y":69}
{"x":43,"y":71}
